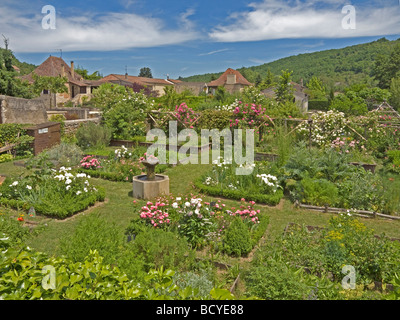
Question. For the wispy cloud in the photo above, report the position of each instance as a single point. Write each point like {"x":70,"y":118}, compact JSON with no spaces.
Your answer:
{"x":91,"y":32}
{"x":213,"y":52}
{"x":273,"y":19}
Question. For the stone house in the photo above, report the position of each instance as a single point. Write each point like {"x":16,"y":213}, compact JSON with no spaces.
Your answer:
{"x":154,"y":84}
{"x":300,"y":97}
{"x":79,"y":89}
{"x":232,"y":80}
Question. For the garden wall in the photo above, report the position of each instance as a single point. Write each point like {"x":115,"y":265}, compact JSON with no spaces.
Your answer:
{"x":73,"y":125}
{"x":19,"y":110}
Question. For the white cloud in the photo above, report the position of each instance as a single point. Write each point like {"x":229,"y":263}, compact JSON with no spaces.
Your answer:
{"x":312,"y":19}
{"x":213,"y":52}
{"x":88,"y":32}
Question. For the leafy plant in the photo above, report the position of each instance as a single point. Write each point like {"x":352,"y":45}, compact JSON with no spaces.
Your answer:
{"x":237,"y":239}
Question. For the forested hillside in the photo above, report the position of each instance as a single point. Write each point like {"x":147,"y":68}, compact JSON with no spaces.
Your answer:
{"x":335,"y":67}
{"x":24,"y":67}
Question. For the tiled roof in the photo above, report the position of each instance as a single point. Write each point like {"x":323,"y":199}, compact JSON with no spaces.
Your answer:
{"x":52,"y":67}
{"x":140,"y":80}
{"x":221,"y":81}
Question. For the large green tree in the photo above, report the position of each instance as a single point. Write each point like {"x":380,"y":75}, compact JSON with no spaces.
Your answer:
{"x":52,"y":84}
{"x":284,"y":90}
{"x":387,"y":67}
{"x":145,"y":72}
{"x":10,"y":85}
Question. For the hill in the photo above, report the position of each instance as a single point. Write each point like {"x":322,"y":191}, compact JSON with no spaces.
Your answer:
{"x":335,"y":67}
{"x":24,"y":67}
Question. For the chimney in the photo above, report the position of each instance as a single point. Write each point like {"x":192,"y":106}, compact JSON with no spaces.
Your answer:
{"x":62,"y":71}
{"x":72,"y":70}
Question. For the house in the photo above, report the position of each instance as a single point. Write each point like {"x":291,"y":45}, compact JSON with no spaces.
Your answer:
{"x":300,"y":97}
{"x":78,"y":87}
{"x":232,"y":80}
{"x":154,"y":84}
{"x":195,"y":87}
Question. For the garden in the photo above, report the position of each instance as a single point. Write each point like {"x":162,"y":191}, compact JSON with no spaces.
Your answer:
{"x":323,"y":193}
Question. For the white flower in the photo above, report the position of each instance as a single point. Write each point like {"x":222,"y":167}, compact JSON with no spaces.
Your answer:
{"x":187,"y":204}
{"x":15,"y":183}
{"x":178,"y":199}
{"x":68,"y":181}
{"x":29,"y":187}
{"x":78,"y":193}
{"x":67,"y":187}
{"x":175,"y":205}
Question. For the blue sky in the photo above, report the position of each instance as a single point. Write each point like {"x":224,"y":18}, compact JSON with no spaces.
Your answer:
{"x":183,"y":38}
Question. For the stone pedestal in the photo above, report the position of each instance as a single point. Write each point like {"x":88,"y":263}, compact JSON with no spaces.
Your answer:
{"x":150,"y":189}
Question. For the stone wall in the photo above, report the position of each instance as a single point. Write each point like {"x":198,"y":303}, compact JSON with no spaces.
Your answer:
{"x":73,"y":125}
{"x":25,"y":111}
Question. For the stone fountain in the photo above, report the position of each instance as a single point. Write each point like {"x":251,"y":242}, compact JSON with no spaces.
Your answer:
{"x":150,"y":185}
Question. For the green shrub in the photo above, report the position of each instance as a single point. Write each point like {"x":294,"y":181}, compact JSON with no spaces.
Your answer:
{"x":91,"y":135}
{"x":275,"y":280}
{"x":158,"y":248}
{"x":93,"y":233}
{"x":319,"y":192}
{"x":237,"y":239}
{"x":64,"y":154}
{"x":5,"y":157}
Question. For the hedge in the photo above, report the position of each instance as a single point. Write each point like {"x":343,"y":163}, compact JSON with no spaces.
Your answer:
{"x":269,"y":199}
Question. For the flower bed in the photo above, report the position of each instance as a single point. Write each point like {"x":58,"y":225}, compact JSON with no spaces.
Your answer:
{"x":224,"y":181}
{"x":123,"y":165}
{"x":59,"y":194}
{"x":203,"y":223}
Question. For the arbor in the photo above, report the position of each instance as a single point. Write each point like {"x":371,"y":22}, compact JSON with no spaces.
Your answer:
{"x":145,"y":72}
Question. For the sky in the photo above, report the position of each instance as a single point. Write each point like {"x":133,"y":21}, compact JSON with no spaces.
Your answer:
{"x":182,"y":38}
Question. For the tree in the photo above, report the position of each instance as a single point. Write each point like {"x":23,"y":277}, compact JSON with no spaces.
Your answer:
{"x":316,"y":89}
{"x":395,"y":93}
{"x":52,"y":84}
{"x":269,"y":81}
{"x":284,"y":90}
{"x":85,"y":74}
{"x":387,"y":67}
{"x":145,"y":72}
{"x":9,"y":84}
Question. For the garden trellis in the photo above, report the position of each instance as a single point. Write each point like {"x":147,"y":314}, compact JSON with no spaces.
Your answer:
{"x":157,"y":119}
{"x":387,"y":115}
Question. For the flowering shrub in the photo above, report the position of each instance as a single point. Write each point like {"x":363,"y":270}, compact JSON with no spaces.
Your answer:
{"x":89,"y":162}
{"x":248,"y":214}
{"x":325,"y":127}
{"x":249,"y":116}
{"x":155,"y":214}
{"x":185,"y":115}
